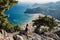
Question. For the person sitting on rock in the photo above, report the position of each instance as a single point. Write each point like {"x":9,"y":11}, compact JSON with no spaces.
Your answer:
{"x":28,"y":30}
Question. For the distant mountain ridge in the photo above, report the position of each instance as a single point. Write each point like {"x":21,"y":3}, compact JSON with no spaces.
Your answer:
{"x":52,"y":9}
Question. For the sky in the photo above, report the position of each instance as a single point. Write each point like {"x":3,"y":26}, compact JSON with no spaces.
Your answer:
{"x":37,"y":1}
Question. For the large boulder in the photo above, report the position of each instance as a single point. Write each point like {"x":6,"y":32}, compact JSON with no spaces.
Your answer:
{"x":18,"y":37}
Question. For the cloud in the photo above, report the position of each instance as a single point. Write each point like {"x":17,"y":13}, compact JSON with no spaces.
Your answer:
{"x":37,"y":1}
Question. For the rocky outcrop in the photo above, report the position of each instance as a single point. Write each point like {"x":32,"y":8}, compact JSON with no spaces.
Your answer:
{"x":4,"y":35}
{"x":34,"y":36}
{"x":52,"y":35}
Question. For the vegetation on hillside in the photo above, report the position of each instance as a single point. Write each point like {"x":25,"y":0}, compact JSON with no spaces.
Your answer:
{"x":44,"y":21}
{"x":4,"y":23}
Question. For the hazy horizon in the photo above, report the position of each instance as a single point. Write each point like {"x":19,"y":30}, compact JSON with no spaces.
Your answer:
{"x":37,"y":1}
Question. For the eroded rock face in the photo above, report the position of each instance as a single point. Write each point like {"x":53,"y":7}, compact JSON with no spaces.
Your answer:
{"x":3,"y":34}
{"x":34,"y":36}
{"x":19,"y":37}
{"x":39,"y":37}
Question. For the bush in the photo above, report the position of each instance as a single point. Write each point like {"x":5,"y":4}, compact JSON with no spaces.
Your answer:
{"x":45,"y":21}
{"x":17,"y":28}
{"x":44,"y":30}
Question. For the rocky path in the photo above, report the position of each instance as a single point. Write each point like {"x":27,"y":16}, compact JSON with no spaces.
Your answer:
{"x":10,"y":35}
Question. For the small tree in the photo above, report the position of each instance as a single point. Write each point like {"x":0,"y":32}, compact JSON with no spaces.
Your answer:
{"x":17,"y":28}
{"x":45,"y":21}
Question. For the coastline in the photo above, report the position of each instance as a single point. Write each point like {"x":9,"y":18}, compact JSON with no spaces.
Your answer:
{"x":35,"y":16}
{"x":29,"y":22}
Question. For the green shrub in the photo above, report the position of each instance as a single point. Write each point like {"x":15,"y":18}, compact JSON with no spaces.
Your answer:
{"x":17,"y":28}
{"x":45,"y":21}
{"x":44,"y":30}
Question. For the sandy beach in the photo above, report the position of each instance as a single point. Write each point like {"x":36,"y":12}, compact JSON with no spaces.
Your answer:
{"x":34,"y":16}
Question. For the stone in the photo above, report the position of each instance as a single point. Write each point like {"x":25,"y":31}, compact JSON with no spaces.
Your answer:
{"x":18,"y":37}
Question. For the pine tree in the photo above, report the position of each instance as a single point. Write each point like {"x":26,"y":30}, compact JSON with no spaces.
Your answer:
{"x":45,"y":21}
{"x":5,"y":5}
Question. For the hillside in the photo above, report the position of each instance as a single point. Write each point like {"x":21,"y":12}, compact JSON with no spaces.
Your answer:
{"x":52,"y":9}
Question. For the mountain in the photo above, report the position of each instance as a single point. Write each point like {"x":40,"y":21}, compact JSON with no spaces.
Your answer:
{"x":52,"y":9}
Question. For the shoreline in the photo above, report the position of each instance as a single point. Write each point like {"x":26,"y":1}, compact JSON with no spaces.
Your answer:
{"x":34,"y":16}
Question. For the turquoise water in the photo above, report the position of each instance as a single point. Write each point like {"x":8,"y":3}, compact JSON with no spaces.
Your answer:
{"x":16,"y":14}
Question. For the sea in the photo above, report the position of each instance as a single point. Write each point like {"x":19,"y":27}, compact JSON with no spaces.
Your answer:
{"x":16,"y":14}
